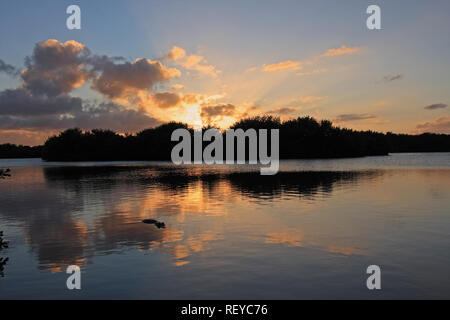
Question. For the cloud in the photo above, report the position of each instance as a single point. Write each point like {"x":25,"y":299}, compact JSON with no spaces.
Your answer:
{"x":43,"y":103}
{"x":198,"y":63}
{"x":20,"y":102}
{"x":166,"y":100}
{"x":170,"y":100}
{"x":251,"y":69}
{"x":297,"y":65}
{"x":340,"y":51}
{"x":440,"y":125}
{"x":126,"y":80}
{"x":436,"y":106}
{"x":390,"y":78}
{"x":200,"y":99}
{"x":175,"y":53}
{"x":191,"y":62}
{"x":104,"y":115}
{"x":305,"y":101}
{"x":217,"y":112}
{"x":289,"y":65}
{"x":354,"y":117}
{"x":283,"y":111}
{"x":55,"y":68}
{"x":250,"y":111}
{"x":310,"y":99}
{"x":114,"y":116}
{"x":8,"y":69}
{"x":177,"y":87}
{"x":313,"y":72}
{"x":296,"y":104}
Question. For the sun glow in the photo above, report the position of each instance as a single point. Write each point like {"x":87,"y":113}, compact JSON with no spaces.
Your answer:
{"x":192,"y":115}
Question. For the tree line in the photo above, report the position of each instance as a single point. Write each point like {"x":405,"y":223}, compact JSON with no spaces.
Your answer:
{"x":300,"y":138}
{"x":11,"y":151}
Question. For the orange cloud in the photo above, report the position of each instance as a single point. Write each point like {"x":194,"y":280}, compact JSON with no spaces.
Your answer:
{"x":297,"y":65}
{"x":217,"y":112}
{"x":175,"y":53}
{"x":55,"y":68}
{"x":177,"y":87}
{"x":191,"y":62}
{"x":292,"y":65}
{"x":310,"y":99}
{"x":341,"y":51}
{"x":196,"y":62}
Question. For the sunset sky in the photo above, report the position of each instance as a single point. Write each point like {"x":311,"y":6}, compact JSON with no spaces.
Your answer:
{"x":137,"y":64}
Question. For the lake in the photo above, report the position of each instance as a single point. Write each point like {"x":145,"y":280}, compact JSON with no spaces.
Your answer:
{"x":309,"y":232}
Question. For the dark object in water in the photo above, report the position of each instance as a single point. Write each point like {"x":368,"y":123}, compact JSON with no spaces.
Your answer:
{"x":159,"y":225}
{"x":5,"y":173}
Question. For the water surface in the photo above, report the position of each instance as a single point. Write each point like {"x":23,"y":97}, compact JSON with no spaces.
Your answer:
{"x":309,"y":232}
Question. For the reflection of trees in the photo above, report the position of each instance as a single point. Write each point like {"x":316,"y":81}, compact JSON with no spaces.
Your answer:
{"x":3,"y":245}
{"x":73,"y":213}
{"x":2,"y":266}
{"x":251,"y":184}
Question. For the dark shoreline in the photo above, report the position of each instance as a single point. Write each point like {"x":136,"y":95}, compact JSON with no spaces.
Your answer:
{"x":301,"y":138}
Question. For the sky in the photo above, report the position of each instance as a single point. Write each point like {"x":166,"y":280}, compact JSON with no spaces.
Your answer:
{"x":137,"y":64}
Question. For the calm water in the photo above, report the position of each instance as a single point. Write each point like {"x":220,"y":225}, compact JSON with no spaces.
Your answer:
{"x":309,"y":232}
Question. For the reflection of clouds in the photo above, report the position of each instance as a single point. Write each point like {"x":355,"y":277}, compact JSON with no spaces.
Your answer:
{"x":58,"y":242}
{"x":116,"y":231}
{"x":70,"y":214}
{"x":182,"y":247}
{"x":61,"y":266}
{"x":289,"y":238}
{"x":53,"y":233}
{"x":346,"y":251}
{"x":296,"y":238}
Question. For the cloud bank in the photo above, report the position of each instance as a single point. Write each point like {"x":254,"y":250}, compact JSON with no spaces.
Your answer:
{"x":43,"y":101}
{"x":440,"y":125}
